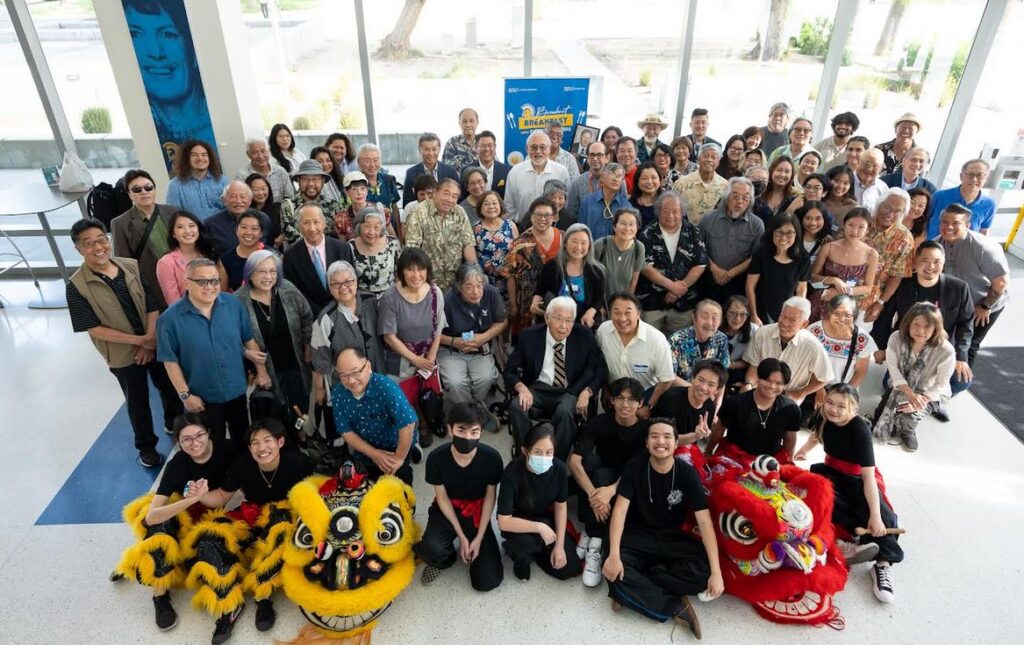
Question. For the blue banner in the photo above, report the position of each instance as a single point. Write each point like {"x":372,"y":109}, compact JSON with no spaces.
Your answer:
{"x":532,"y":103}
{"x":163,"y":47}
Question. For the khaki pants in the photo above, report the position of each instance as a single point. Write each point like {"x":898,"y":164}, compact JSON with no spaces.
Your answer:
{"x":668,"y":320}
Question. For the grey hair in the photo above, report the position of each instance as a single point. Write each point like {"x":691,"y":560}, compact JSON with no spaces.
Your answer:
{"x":199,"y":263}
{"x":254,"y":260}
{"x":733,"y":181}
{"x":659,"y":203}
{"x":565,"y":303}
{"x":710,"y":146}
{"x":427,"y":137}
{"x":611,"y":167}
{"x":366,"y":213}
{"x":842,"y":299}
{"x":927,"y":155}
{"x":233,"y":182}
{"x":776,"y":106}
{"x":340,"y":266}
{"x":306,"y":205}
{"x":963,"y":168}
{"x":469,"y":270}
{"x":368,"y":147}
{"x":538,"y":133}
{"x":898,"y":192}
{"x":750,"y":171}
{"x":251,"y":141}
{"x":562,"y":257}
{"x":705,"y":303}
{"x":799,"y":303}
{"x":553,"y":186}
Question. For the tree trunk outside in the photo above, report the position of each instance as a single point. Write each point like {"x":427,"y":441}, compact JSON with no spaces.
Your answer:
{"x":773,"y":37}
{"x":892,"y":24}
{"x":396,"y":45}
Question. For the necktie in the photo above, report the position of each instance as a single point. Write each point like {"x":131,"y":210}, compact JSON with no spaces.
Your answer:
{"x":559,"y":380}
{"x":318,"y":264}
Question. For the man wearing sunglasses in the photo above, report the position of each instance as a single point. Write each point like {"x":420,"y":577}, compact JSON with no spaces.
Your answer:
{"x":201,"y":340}
{"x":141,"y":231}
{"x":111,"y":299}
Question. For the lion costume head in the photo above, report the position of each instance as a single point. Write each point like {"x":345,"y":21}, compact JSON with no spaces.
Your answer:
{"x":350,"y":554}
{"x":776,"y":542}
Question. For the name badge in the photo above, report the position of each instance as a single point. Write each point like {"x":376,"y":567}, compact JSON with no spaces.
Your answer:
{"x":640,"y":368}
{"x":468,"y":335}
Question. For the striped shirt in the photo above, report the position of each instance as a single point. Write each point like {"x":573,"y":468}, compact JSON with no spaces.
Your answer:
{"x":84,"y":318}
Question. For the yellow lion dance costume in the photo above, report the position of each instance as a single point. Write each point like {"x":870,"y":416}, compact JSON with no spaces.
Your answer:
{"x":350,"y":554}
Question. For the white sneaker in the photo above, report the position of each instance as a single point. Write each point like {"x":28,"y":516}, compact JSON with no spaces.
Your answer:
{"x":593,"y":563}
{"x":582,"y":545}
{"x":855,"y":553}
{"x":881,"y":583}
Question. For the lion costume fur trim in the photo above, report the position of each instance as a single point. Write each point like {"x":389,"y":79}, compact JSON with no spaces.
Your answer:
{"x":139,"y":561}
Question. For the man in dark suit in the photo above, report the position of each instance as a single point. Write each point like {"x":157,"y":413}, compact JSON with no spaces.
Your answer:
{"x":912,"y":175}
{"x":306,"y":261}
{"x":220,"y":227}
{"x":555,"y":371}
{"x":497,"y":172}
{"x":953,"y":298}
{"x":430,"y":150}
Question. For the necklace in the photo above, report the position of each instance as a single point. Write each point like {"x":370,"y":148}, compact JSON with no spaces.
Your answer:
{"x":264,"y":312}
{"x":674,"y":496}
{"x":268,"y":482}
{"x":764,"y":419}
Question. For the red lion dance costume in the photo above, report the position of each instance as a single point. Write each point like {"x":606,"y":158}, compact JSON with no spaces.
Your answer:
{"x":775,"y":537}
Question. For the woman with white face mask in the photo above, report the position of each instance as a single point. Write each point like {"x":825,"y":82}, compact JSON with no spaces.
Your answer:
{"x":532,"y":512}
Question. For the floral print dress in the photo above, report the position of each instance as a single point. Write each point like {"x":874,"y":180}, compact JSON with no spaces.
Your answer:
{"x":376,"y":273}
{"x":524,"y":262}
{"x":491,"y":249}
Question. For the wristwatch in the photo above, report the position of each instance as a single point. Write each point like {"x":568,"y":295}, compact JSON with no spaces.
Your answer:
{"x":183,"y":395}
{"x":985,"y":307}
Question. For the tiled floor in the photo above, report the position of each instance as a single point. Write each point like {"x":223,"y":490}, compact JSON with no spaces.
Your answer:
{"x":960,"y":498}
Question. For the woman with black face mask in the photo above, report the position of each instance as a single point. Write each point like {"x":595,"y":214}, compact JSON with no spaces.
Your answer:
{"x":465,"y":475}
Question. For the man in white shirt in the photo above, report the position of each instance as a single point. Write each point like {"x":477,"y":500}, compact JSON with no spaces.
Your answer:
{"x":788,"y":341}
{"x":526,"y":180}
{"x":866,"y":185}
{"x":634,"y":349}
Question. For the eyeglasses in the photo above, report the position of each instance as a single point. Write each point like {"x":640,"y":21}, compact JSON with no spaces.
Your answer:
{"x":347,"y":284}
{"x":596,"y":155}
{"x":205,"y":282}
{"x":841,"y":315}
{"x":737,"y":314}
{"x":975,"y":175}
{"x":89,"y":245}
{"x":198,"y":437}
{"x":354,"y":373}
{"x":740,"y":197}
{"x":266,"y":272}
{"x":562,"y":319}
{"x":538,"y":148}
{"x":148,"y":188}
{"x":544,"y":215}
{"x":787,"y":234}
{"x":625,"y":400}
{"x":802,"y":130}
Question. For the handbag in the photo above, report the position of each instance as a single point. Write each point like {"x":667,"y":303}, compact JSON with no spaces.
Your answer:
{"x":74,"y":176}
{"x":425,"y":392}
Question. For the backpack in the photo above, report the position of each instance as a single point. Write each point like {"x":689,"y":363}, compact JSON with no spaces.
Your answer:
{"x":105,"y":202}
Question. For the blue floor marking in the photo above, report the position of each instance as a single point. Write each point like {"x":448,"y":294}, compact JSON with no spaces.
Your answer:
{"x":108,"y":477}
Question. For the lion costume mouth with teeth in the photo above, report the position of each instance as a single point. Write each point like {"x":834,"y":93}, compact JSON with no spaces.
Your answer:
{"x":350,"y":554}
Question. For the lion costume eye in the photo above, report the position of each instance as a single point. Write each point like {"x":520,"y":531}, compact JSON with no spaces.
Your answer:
{"x":736,"y":527}
{"x":391,"y":527}
{"x":303,"y":536}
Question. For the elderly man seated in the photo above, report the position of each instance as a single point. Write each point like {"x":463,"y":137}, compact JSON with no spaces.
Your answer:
{"x":220,"y":227}
{"x":699,"y":342}
{"x":554,"y":372}
{"x":789,"y":341}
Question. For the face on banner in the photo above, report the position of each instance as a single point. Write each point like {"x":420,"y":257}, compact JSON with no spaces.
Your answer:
{"x":170,"y":72}
{"x":533,"y":103}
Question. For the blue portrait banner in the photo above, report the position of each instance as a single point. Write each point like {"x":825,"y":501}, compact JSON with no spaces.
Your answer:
{"x":532,"y":103}
{"x":167,"y":61}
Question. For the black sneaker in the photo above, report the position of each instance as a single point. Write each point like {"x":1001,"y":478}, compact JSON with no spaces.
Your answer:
{"x":429,"y":575}
{"x":881,"y":583}
{"x":521,"y":568}
{"x":939,"y":411}
{"x":492,"y":423}
{"x":426,"y":439}
{"x":150,"y":458}
{"x":687,"y":617}
{"x":416,"y":454}
{"x":265,"y":615}
{"x":910,"y":441}
{"x":166,"y":617}
{"x":226,"y":623}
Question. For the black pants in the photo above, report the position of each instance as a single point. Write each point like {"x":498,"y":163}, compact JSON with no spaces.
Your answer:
{"x":373,"y":472}
{"x":436,"y":548}
{"x":708,"y":288}
{"x":850,"y":510}
{"x":548,"y":402}
{"x":134,"y":381}
{"x":230,"y":416}
{"x":600,"y":475}
{"x":659,"y":569}
{"x":531,"y":548}
{"x":979,"y":335}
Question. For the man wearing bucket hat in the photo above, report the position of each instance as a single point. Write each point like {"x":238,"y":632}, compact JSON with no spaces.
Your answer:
{"x":906,"y":127}
{"x":652,"y":125}
{"x":311,"y":178}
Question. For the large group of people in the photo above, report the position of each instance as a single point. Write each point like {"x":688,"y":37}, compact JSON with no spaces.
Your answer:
{"x":614,"y":308}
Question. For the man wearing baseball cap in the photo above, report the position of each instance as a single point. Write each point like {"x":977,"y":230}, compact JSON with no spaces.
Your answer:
{"x":652,"y":126}
{"x":311,"y":179}
{"x":906,"y":127}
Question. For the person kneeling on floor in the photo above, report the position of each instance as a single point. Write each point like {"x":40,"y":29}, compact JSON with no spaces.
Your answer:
{"x":465,"y":475}
{"x":653,"y":565}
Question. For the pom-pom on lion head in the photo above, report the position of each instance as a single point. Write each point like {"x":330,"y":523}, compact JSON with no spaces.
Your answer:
{"x":351,"y":552}
{"x":776,"y":542}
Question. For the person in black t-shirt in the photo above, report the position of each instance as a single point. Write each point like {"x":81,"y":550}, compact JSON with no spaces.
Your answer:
{"x":465,"y":475}
{"x":265,"y":476}
{"x":195,"y":472}
{"x":532,"y":513}
{"x":653,"y":565}
{"x":762,"y":421}
{"x":602,"y":450}
{"x":693,"y":407}
{"x":860,"y":499}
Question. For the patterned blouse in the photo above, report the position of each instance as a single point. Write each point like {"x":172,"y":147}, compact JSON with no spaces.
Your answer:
{"x":524,"y":262}
{"x":895,"y":246}
{"x":491,"y":249}
{"x":686,"y":351}
{"x":376,"y":273}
